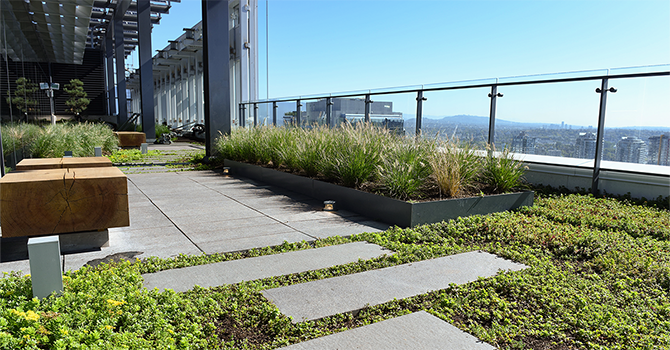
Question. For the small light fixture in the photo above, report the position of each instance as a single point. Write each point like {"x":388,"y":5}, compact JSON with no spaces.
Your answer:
{"x":226,"y":170}
{"x":329,"y":206}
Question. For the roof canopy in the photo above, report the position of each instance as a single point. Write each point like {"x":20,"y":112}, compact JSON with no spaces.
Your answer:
{"x":59,"y":31}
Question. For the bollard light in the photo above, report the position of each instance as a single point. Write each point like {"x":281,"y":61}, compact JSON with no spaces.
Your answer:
{"x":329,"y":206}
{"x":226,"y":170}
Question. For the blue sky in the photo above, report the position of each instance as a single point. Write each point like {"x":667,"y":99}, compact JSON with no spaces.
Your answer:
{"x":323,"y":46}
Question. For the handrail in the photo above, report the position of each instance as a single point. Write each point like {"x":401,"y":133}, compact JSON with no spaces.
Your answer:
{"x":456,"y":87}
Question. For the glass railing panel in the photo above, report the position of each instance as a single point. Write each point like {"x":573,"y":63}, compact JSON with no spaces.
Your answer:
{"x":637,"y":126}
{"x":264,"y":114}
{"x":461,"y":114}
{"x":553,"y":76}
{"x":286,"y":113}
{"x":393,"y":111}
{"x":557,"y":120}
{"x":344,"y":110}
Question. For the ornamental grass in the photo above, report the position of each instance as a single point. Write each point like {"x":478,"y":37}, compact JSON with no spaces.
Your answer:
{"x":364,"y":156}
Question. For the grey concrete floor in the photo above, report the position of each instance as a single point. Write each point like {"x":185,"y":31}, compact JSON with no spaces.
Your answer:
{"x":195,"y":212}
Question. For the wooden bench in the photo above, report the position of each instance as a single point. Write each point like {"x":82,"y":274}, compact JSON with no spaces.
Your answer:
{"x":59,"y":163}
{"x":63,"y":200}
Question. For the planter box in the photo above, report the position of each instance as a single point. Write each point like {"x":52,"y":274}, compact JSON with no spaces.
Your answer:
{"x":380,"y":208}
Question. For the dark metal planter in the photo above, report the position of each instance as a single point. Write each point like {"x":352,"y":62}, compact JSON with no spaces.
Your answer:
{"x":380,"y":208}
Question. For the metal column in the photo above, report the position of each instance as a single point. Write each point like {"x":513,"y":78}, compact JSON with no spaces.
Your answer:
{"x":368,"y":101}
{"x":492,"y":114}
{"x":216,"y":57}
{"x":419,"y":111}
{"x":146,"y":69}
{"x":109,"y":62}
{"x":601,"y":133}
{"x":119,"y":54}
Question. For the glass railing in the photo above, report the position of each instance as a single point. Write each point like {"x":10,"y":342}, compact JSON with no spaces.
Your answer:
{"x":562,"y":119}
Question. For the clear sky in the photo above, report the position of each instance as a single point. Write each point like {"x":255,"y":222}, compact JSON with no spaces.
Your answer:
{"x":323,"y":46}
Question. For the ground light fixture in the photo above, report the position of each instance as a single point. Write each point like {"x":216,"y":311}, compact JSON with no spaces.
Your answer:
{"x":226,"y":170}
{"x":329,"y":206}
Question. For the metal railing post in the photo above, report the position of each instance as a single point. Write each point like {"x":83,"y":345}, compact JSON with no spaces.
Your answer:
{"x":274,"y":113}
{"x":2,"y":154}
{"x":297,"y":112}
{"x":255,"y":114}
{"x":494,"y":94}
{"x":600,"y":135}
{"x":419,"y":111}
{"x":329,"y":111}
{"x":368,"y":101}
{"x":242,"y":116}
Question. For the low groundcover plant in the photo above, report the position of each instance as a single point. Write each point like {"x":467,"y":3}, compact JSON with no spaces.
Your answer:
{"x":594,"y":281}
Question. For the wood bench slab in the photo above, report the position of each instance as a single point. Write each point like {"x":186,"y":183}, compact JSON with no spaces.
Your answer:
{"x":131,"y":138}
{"x":58,"y":163}
{"x":53,"y":201}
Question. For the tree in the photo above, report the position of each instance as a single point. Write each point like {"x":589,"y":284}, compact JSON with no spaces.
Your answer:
{"x":77,"y":101}
{"x":24,"y":96}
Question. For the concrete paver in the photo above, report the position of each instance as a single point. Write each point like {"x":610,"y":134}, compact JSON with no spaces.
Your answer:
{"x":353,"y":292}
{"x":191,"y":212}
{"x":235,"y":271}
{"x":417,"y":331}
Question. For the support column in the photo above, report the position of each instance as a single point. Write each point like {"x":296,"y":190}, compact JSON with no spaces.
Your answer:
{"x":215,"y":19}
{"x":119,"y":54}
{"x":109,"y":62}
{"x":146,"y":69}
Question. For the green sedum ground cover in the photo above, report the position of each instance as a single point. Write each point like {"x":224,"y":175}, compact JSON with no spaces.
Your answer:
{"x":599,"y":278}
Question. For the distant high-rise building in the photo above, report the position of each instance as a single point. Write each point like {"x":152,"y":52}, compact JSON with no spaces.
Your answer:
{"x":586,"y":145}
{"x":555,"y":153}
{"x":659,"y":150}
{"x":630,"y":150}
{"x":523,"y":144}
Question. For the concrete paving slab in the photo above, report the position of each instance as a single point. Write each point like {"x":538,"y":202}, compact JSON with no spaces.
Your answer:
{"x":164,"y":242}
{"x":353,"y":292}
{"x":224,"y":232}
{"x":190,"y":224}
{"x":330,"y":228}
{"x":306,"y":214}
{"x":417,"y":331}
{"x":250,"y":269}
{"x":212,"y":213}
{"x":223,"y":245}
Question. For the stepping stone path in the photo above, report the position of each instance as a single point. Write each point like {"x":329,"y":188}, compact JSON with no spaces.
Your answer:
{"x":228,"y":272}
{"x":416,"y":331}
{"x":318,"y":299}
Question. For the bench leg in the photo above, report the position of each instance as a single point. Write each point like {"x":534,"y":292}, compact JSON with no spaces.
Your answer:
{"x":46,"y":266}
